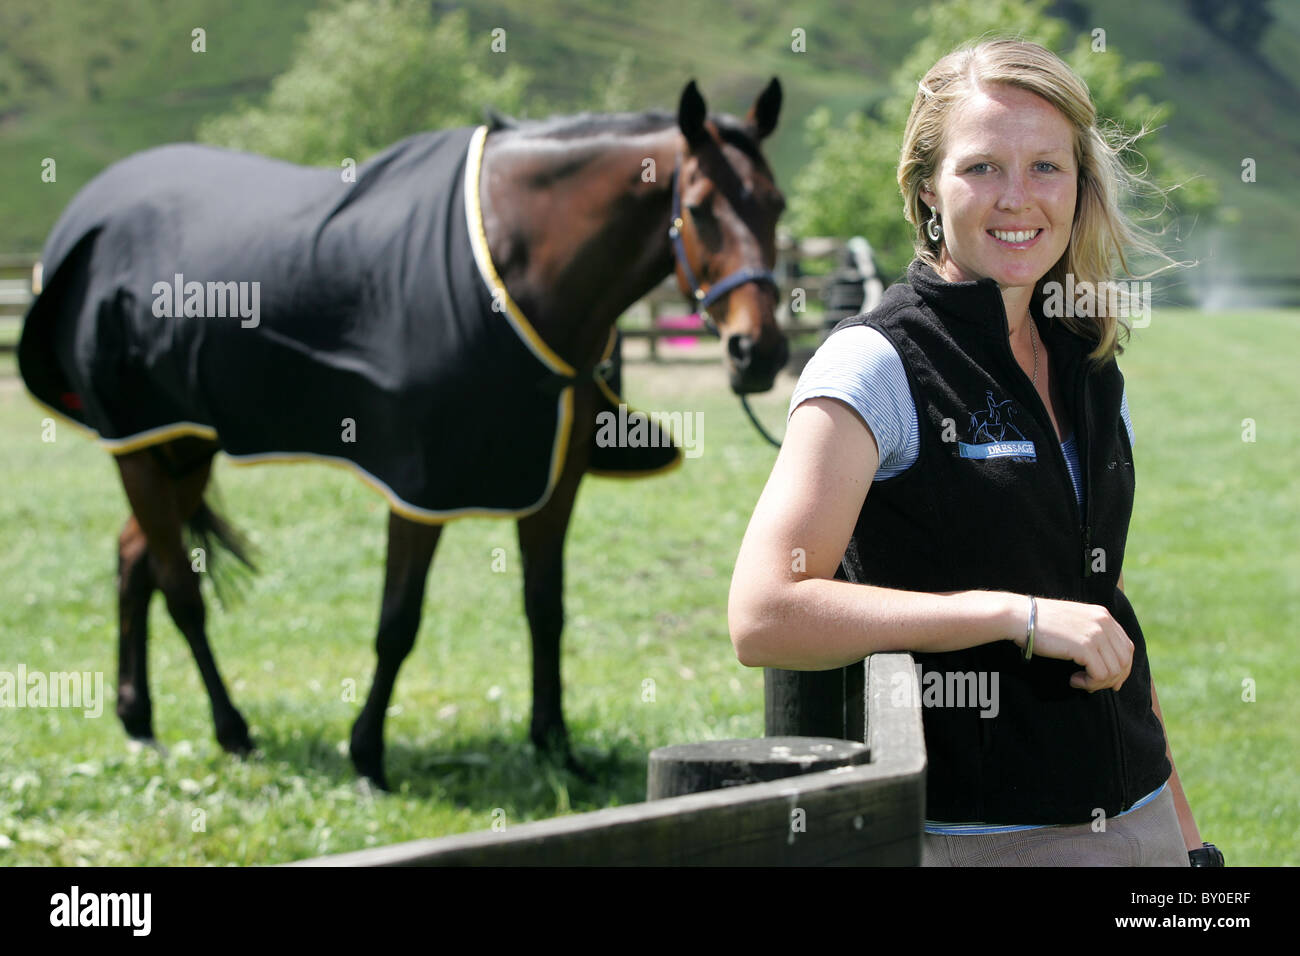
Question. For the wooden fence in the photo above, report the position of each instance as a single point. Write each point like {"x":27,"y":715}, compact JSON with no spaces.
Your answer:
{"x":871,"y":814}
{"x":16,"y":283}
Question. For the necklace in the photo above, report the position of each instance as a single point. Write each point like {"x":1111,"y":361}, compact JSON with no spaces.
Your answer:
{"x":1034,"y":342}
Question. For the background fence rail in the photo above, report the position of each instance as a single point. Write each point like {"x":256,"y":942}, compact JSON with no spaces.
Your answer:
{"x":805,"y":264}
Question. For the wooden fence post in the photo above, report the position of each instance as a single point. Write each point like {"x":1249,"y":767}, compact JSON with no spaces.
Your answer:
{"x":814,"y":703}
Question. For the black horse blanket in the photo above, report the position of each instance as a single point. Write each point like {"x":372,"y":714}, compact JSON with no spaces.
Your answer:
{"x":295,"y":313}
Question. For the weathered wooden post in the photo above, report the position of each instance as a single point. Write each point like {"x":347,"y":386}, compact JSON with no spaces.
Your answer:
{"x":814,"y":703}
{"x":712,"y":764}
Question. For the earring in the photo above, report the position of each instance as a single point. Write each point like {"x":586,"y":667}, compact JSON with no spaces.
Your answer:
{"x":934,"y":228}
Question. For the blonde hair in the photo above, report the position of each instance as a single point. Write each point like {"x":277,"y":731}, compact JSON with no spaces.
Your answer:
{"x":1101,"y":232}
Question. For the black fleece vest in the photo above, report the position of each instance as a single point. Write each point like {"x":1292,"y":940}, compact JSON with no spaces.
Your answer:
{"x":989,"y":505}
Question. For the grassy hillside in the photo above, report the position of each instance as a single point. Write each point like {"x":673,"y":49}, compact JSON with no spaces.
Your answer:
{"x":87,"y":83}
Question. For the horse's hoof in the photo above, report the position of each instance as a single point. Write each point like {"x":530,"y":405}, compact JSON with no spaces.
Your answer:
{"x":238,"y":748}
{"x":572,"y":765}
{"x":136,"y":744}
{"x":371,"y":769}
{"x":375,"y":778}
{"x":137,"y":727}
{"x":555,"y":748}
{"x":236,"y":741}
{"x":552,"y":741}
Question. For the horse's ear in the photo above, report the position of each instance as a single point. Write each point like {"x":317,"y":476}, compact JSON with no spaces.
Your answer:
{"x":762,"y":115}
{"x":691,"y":113}
{"x":496,"y":121}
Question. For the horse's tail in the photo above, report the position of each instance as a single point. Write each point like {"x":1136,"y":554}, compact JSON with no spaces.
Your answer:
{"x":208,"y":528}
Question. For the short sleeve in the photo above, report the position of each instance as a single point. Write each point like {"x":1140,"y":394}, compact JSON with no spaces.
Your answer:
{"x":859,"y":366}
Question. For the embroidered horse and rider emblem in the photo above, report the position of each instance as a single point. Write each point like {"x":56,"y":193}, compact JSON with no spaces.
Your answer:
{"x":993,"y":435}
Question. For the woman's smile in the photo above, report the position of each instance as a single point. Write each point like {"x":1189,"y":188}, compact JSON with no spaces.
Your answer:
{"x":1015,"y":238}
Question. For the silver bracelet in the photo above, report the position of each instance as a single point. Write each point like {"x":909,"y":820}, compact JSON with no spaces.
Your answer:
{"x":1029,"y":630}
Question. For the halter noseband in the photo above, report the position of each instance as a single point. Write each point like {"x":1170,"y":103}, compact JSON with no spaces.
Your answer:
{"x":703,"y":298}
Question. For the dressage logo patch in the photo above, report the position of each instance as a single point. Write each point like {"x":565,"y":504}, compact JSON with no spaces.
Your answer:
{"x":994,"y":435}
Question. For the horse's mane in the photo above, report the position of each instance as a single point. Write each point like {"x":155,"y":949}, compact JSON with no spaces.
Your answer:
{"x":586,"y":124}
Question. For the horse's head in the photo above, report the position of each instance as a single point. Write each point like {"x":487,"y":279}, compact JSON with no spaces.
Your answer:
{"x":727,"y":206}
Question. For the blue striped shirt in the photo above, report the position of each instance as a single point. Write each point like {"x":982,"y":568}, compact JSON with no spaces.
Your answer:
{"x":860,"y":367}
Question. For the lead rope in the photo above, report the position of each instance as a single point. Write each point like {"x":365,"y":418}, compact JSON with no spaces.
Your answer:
{"x":744,"y":403}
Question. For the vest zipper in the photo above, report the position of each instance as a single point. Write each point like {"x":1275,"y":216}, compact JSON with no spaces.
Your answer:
{"x":1085,"y":466}
{"x":1084,"y":515}
{"x":1083,"y":443}
{"x":1045,"y":422}
{"x":1086,"y":471}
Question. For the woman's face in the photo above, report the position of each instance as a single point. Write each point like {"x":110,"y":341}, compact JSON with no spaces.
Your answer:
{"x":1008,"y":167}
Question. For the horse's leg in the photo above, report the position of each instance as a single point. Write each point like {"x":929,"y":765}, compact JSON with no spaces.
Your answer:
{"x":410,"y":551}
{"x":541,"y":543}
{"x":135,"y":586}
{"x":161,"y":504}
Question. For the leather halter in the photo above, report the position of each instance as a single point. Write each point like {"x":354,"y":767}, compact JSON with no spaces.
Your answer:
{"x":704,"y":298}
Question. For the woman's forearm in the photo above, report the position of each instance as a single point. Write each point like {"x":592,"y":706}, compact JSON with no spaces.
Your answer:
{"x":817,"y":624}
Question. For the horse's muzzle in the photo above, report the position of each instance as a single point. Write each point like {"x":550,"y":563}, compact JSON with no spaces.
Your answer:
{"x":754,"y":369}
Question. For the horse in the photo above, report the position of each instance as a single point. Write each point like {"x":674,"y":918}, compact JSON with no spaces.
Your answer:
{"x":570,"y":220}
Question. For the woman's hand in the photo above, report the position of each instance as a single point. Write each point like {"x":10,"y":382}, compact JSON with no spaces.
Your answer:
{"x":1087,"y":635}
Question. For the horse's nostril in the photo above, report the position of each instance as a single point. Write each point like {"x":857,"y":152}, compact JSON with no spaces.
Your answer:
{"x":741,"y":350}
{"x":782,"y":355}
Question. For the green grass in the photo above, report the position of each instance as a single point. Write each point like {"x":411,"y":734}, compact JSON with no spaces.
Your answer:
{"x":1212,"y":571}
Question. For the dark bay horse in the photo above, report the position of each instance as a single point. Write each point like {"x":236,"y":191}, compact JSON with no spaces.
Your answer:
{"x":581,"y":216}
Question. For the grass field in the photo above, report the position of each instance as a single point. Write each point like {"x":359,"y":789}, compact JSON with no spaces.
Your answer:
{"x":1212,"y":570}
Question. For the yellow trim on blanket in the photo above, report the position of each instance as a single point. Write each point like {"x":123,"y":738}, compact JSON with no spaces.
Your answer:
{"x":159,"y":436}
{"x":409,"y":511}
{"x":86,"y":429}
{"x":124,"y":446}
{"x":483,"y":257}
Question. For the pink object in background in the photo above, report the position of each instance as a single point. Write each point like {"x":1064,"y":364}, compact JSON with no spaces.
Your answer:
{"x":679,"y":322}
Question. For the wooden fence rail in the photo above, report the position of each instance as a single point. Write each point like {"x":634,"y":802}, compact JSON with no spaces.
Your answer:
{"x":871,"y":814}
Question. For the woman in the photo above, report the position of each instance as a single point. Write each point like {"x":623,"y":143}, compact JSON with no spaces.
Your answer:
{"x":968,"y":452}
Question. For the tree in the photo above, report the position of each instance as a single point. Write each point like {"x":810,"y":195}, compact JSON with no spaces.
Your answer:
{"x":1243,"y":23}
{"x":849,"y":185}
{"x":365,"y":75}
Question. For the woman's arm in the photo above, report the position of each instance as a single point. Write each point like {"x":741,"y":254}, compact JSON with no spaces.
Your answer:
{"x":786,"y":610}
{"x":1191,"y":834}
